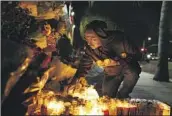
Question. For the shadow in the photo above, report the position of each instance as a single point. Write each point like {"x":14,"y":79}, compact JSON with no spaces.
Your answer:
{"x":13,"y":106}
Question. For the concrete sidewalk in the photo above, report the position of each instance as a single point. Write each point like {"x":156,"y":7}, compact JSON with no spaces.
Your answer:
{"x":147,"y":88}
{"x":152,"y":66}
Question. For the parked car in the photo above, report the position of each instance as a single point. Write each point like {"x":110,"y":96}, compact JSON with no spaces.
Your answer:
{"x":152,"y":52}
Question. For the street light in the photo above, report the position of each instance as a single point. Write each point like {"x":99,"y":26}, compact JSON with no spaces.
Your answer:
{"x":144,"y":41}
{"x":149,"y":38}
{"x":73,"y":26}
{"x":72,"y":13}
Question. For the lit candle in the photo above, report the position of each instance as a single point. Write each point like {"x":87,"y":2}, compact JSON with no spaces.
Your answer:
{"x":119,"y":111}
{"x":106,"y":112}
{"x":31,"y":109}
{"x":125,"y":111}
{"x":37,"y":114}
{"x":132,"y":111}
{"x":159,"y":112}
{"x":166,"y":112}
{"x":43,"y":110}
{"x":166,"y":109}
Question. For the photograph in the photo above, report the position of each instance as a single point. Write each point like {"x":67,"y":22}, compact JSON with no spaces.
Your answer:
{"x":72,"y":58}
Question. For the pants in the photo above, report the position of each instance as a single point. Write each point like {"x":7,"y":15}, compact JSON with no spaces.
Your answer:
{"x":111,"y":84}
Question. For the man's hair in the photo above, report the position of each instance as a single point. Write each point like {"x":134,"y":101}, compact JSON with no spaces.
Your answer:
{"x":98,"y":27}
{"x":96,"y":24}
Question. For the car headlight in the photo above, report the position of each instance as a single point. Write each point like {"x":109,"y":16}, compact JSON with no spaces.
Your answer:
{"x":148,"y":56}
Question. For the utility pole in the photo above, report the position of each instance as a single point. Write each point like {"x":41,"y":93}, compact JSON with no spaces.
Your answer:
{"x":143,"y":44}
{"x":144,"y":41}
{"x":143,"y":49}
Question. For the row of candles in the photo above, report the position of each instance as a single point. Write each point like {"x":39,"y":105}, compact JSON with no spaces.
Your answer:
{"x":122,"y":111}
{"x":50,"y":104}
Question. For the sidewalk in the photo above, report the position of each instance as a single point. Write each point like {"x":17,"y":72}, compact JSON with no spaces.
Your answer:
{"x":152,"y":66}
{"x":147,"y":88}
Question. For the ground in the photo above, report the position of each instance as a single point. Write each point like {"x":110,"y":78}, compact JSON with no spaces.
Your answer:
{"x":152,"y":65}
{"x":146,"y":88}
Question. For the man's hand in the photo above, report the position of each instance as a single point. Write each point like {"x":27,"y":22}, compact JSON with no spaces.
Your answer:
{"x":82,"y":81}
{"x":71,"y":85}
{"x":107,"y":62}
{"x":76,"y":84}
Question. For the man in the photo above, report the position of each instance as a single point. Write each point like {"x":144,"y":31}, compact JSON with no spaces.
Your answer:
{"x":113,"y":52}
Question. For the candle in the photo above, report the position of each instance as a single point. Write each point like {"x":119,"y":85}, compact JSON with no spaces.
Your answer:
{"x":132,"y":111}
{"x":159,"y":112}
{"x":31,"y":109}
{"x":126,"y":111}
{"x":106,"y":112}
{"x":166,"y":112}
{"x":163,"y":109}
{"x":37,"y":114}
{"x":119,"y":111}
{"x":43,"y":110}
{"x":67,"y":112}
{"x":163,"y":112}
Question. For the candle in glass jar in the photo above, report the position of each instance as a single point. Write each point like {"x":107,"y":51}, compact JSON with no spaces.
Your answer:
{"x":119,"y":111}
{"x":166,"y":112}
{"x":126,"y":111}
{"x":43,"y":110}
{"x":132,"y":111}
{"x":106,"y":112}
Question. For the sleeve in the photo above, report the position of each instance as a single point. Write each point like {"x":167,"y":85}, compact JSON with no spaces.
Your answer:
{"x":84,"y":66}
{"x":131,"y":50}
{"x":124,"y":48}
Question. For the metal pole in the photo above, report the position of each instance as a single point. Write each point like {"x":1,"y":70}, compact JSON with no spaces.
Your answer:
{"x":144,"y":43}
{"x":143,"y":47}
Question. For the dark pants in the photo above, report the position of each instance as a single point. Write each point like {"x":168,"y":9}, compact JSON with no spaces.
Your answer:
{"x":111,"y":83}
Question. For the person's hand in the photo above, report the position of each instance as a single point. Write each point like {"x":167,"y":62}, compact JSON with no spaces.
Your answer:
{"x":82,"y":81}
{"x":70,"y":85}
{"x":107,"y":62}
{"x":76,"y":84}
{"x":112,"y":63}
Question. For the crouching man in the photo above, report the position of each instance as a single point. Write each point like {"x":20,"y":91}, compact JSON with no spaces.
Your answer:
{"x":112,"y":51}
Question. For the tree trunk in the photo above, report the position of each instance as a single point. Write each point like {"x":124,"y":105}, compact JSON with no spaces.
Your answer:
{"x":162,"y":73}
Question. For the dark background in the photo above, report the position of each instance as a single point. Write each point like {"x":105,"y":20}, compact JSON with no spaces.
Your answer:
{"x":139,"y":20}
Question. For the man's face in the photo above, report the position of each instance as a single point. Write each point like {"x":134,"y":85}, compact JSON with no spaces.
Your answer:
{"x":92,"y":39}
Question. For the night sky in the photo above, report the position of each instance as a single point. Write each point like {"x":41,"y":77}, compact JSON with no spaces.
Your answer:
{"x":138,"y":19}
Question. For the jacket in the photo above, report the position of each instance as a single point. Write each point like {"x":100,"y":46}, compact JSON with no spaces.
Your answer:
{"x":113,"y":45}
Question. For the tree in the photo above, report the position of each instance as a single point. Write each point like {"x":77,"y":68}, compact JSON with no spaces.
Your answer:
{"x":162,"y":73}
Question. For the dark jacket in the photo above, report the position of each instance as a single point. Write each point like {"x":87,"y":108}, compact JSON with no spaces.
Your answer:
{"x":114,"y":44}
